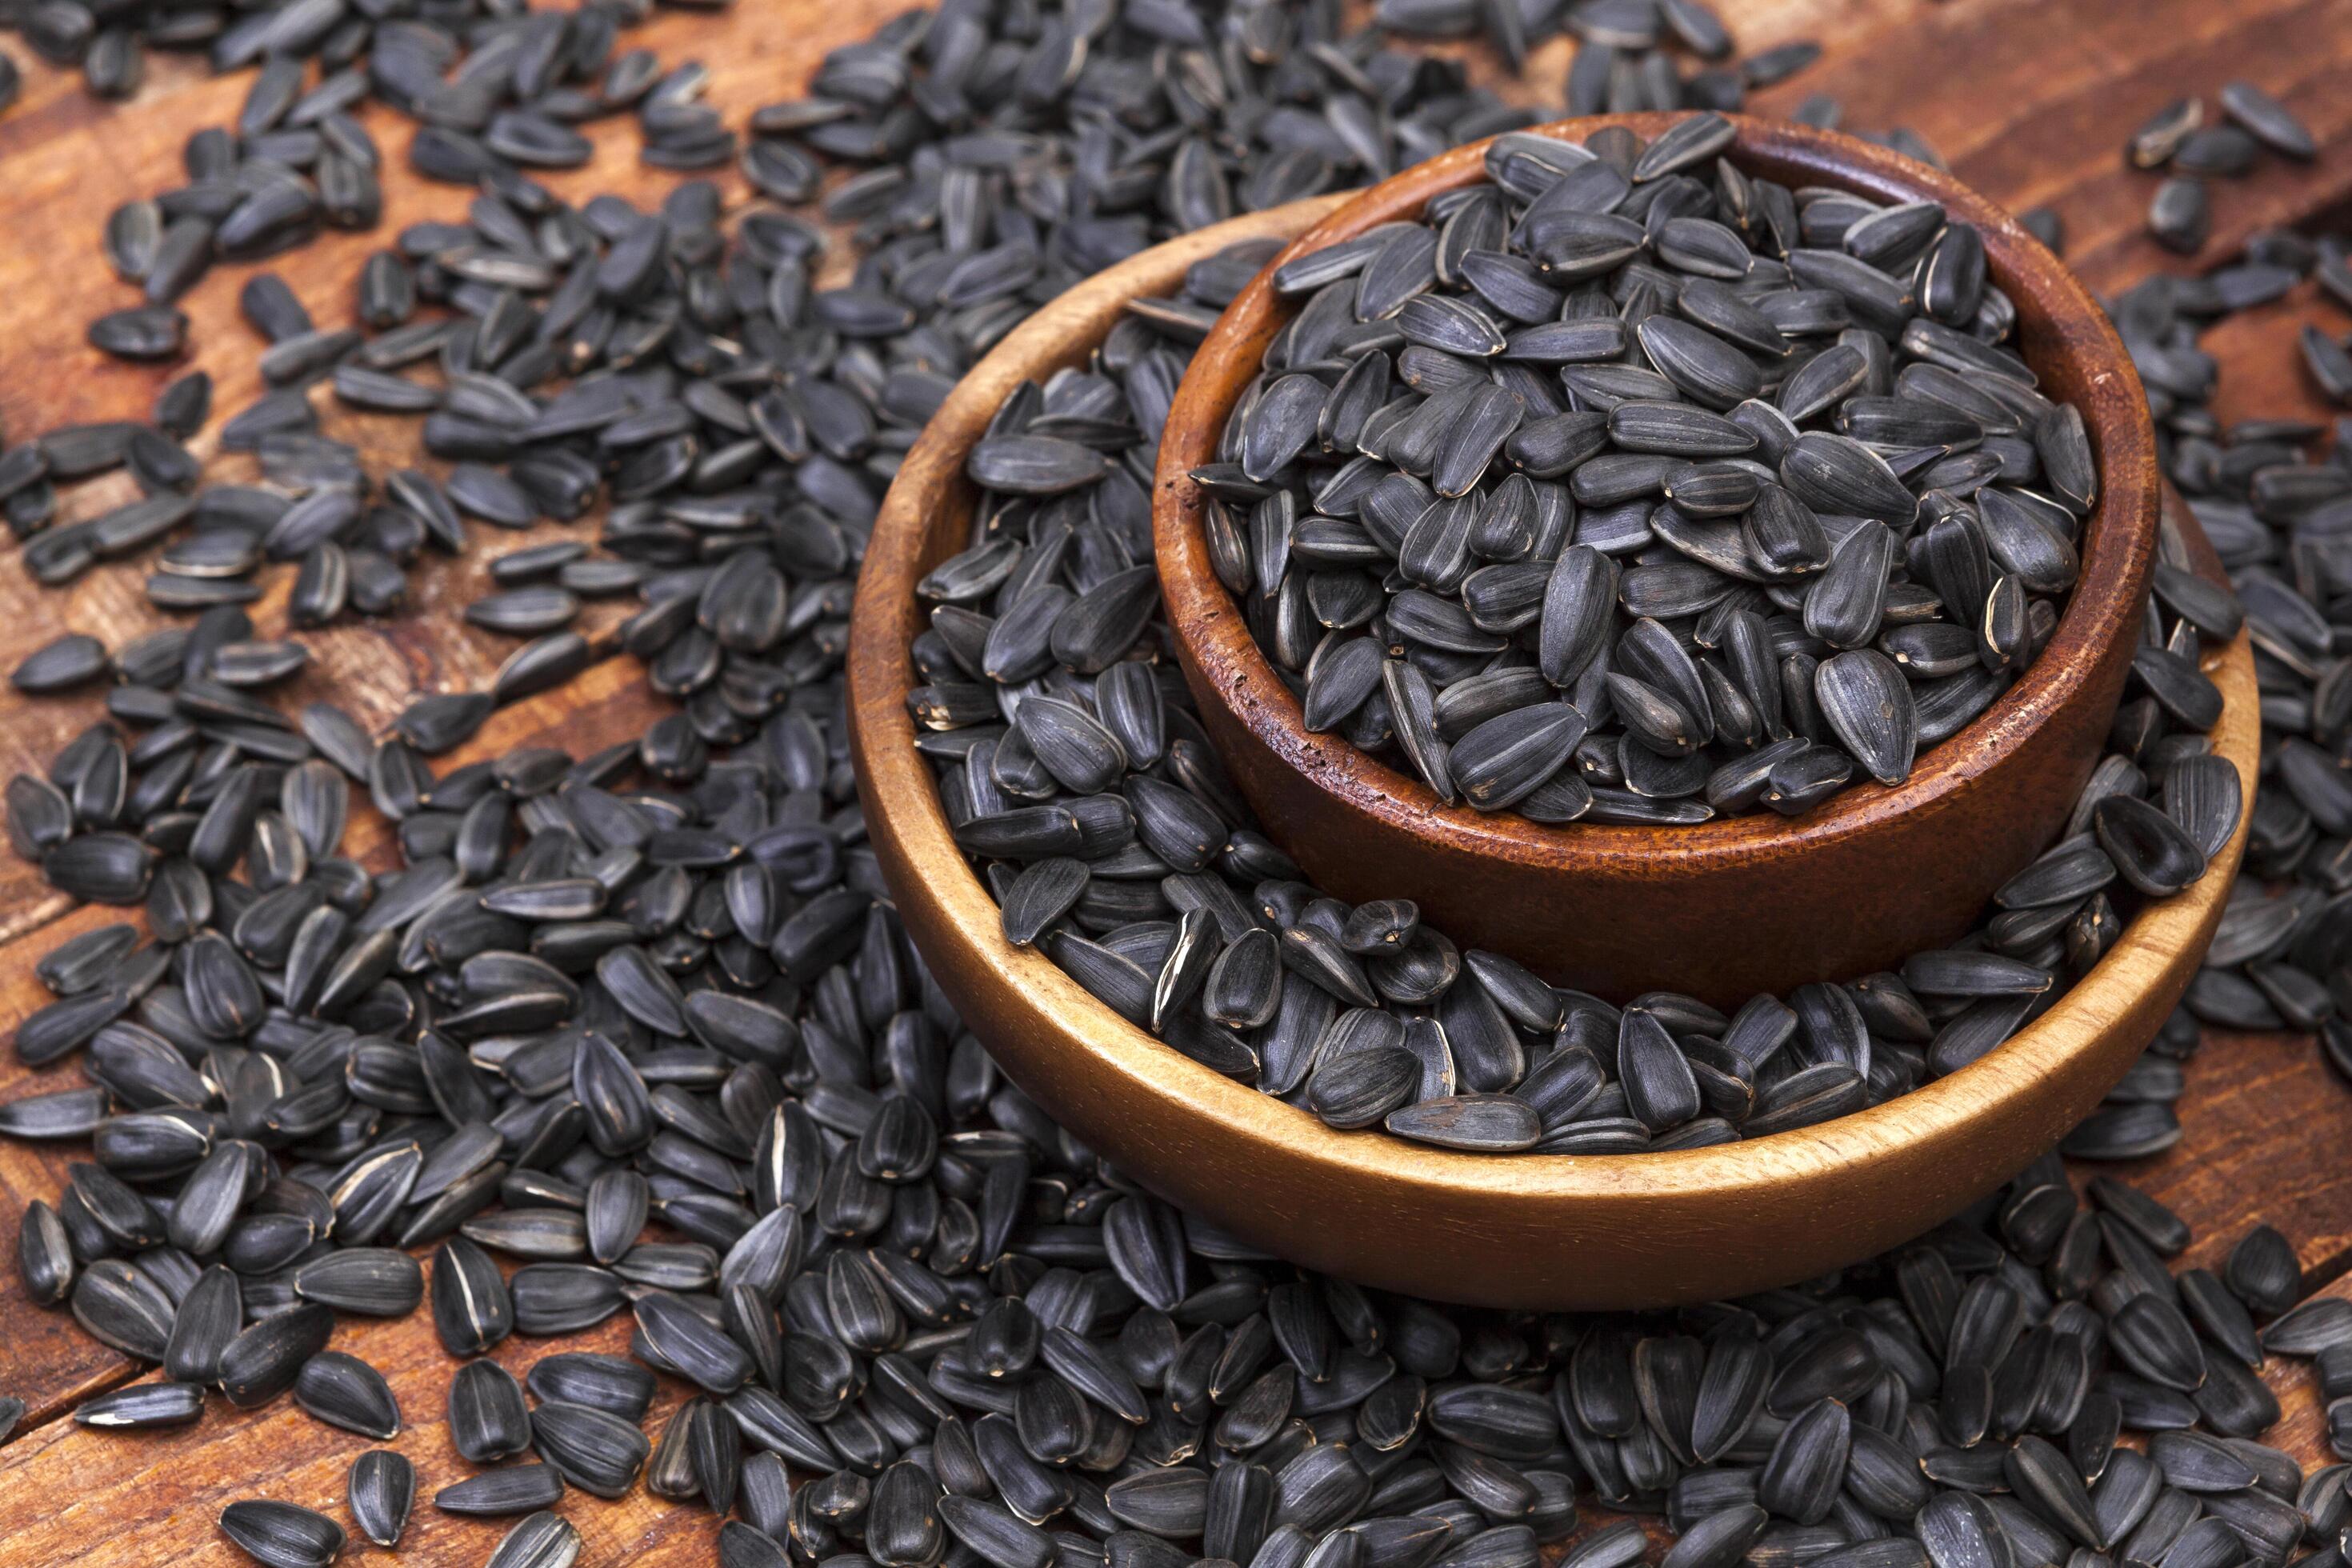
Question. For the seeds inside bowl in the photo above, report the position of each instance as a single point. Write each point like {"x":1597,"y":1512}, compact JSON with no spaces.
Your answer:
{"x":1074,"y":771}
{"x":1626,"y":487}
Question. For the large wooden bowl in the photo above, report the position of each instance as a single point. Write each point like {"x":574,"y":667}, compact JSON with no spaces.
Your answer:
{"x":1534,"y":1231}
{"x":1728,"y":907}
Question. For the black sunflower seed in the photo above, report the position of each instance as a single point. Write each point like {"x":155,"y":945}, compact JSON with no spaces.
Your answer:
{"x":143,"y":1406}
{"x":2271,"y":121}
{"x":379,"y":1492}
{"x":1868,"y":707}
{"x":209,"y":1316}
{"x":604,"y":1382}
{"x":281,"y":1535}
{"x":2150,"y":849}
{"x":266,"y":1358}
{"x":590,"y":1448}
{"x":123,"y":1308}
{"x":2263,"y":1271}
{"x":510,"y":1490}
{"x":344,"y":1391}
{"x":60,"y":665}
{"x":488,"y":1419}
{"x":2179,"y":215}
{"x":472,"y":1310}
{"x":540,"y":1541}
{"x":374,"y":1281}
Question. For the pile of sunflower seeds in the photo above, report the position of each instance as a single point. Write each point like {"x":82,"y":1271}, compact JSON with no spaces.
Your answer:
{"x":603,"y":380}
{"x":1629,"y":488}
{"x":1073,"y":768}
{"x":2272,"y":496}
{"x":603,"y":353}
{"x":966,"y":1338}
{"x":1625,"y":61}
{"x":2193,"y":149}
{"x":497,"y":96}
{"x":494,"y":95}
{"x":495,"y":90}
{"x":660,"y":984}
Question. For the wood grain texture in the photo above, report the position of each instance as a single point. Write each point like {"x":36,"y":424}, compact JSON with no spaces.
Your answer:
{"x":70,"y":1494}
{"x":2032,"y":114}
{"x":2053,"y":90}
{"x":2265,"y":1120}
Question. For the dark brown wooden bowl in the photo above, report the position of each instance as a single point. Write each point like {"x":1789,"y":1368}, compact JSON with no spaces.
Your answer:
{"x":1529,"y":1231}
{"x":1730,"y":908}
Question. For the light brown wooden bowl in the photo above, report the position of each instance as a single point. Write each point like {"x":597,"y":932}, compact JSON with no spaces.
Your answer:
{"x":1534,"y":1231}
{"x":1725,"y":909}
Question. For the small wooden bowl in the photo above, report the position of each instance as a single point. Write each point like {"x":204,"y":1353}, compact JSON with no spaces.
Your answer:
{"x":1730,"y":908}
{"x":1529,"y":1231}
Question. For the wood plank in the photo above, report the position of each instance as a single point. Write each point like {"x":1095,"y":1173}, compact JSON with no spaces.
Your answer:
{"x":2302,"y":1426}
{"x":2263,"y":374}
{"x":2264,"y":1124}
{"x":70,"y":1494}
{"x":2264,"y":1119}
{"x":2030,"y":102}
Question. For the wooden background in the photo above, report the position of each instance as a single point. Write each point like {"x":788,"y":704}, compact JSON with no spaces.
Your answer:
{"x":2027,"y":99}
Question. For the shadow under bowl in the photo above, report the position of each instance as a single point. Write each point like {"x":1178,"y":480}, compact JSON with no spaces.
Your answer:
{"x":1520,"y":1231}
{"x":1725,"y":909}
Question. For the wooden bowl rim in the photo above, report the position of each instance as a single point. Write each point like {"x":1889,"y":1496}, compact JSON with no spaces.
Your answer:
{"x":902,"y":803}
{"x":2118,"y":544}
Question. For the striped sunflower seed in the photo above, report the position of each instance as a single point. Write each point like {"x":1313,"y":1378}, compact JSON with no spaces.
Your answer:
{"x":344,"y":1391}
{"x":281,"y":1535}
{"x":538,"y":1540}
{"x":487,"y":1417}
{"x":381,"y":1491}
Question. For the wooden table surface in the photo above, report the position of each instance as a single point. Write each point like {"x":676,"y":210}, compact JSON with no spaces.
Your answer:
{"x":2027,"y":99}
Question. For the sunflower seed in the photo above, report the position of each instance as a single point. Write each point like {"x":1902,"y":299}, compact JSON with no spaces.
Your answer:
{"x":380,"y":1492}
{"x":376,"y":1281}
{"x":60,"y":665}
{"x":510,"y":1490}
{"x":592,"y":1449}
{"x":1867,"y":705}
{"x":266,"y":1358}
{"x":121,"y":1307}
{"x":209,"y":1316}
{"x":2179,"y":215}
{"x":538,"y":1540}
{"x":280,"y":1535}
{"x":488,"y":1419}
{"x":604,"y":1382}
{"x":2269,"y":120}
{"x":472,"y":1310}
{"x":344,"y":1391}
{"x":143,"y":1406}
{"x":2262,"y":1270}
{"x":2148,"y":849}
